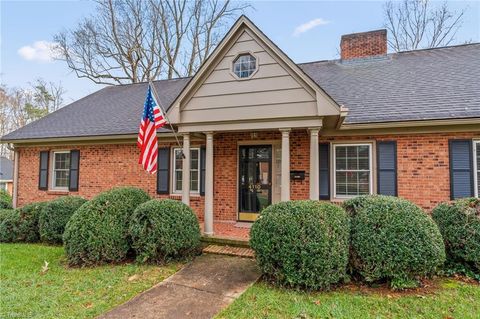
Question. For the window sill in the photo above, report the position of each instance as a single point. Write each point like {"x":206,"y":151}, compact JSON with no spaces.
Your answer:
{"x":193,"y":197}
{"x":57,"y":192}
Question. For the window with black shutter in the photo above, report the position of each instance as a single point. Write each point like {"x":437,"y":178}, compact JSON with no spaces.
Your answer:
{"x":387,"y":168}
{"x":461,"y":168}
{"x":324,"y":170}
{"x":43,"y":174}
{"x":163,"y":170}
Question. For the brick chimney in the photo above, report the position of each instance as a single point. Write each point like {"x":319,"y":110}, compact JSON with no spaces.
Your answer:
{"x":364,"y":44}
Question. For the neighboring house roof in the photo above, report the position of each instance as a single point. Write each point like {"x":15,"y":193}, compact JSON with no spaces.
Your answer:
{"x":6,"y":169}
{"x":432,"y":84}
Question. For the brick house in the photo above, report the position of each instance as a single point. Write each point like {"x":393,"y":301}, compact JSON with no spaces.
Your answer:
{"x":256,"y":129}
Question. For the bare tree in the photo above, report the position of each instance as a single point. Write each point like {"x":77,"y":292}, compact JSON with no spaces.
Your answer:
{"x":20,"y":106}
{"x":416,"y":24}
{"x":129,"y":41}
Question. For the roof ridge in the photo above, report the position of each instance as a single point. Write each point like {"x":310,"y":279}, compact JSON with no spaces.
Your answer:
{"x":400,"y":52}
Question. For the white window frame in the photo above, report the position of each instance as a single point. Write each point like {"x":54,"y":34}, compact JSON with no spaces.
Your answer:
{"x":232,"y":70}
{"x":174,"y":170}
{"x":334,"y":173}
{"x":52,"y":172}
{"x":476,"y":144}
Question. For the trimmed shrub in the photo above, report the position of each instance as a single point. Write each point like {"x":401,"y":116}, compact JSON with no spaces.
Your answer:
{"x":162,"y":230}
{"x":55,"y":215}
{"x":28,"y":228}
{"x":9,"y":223}
{"x":98,"y":231}
{"x":302,"y":244}
{"x":459,"y":224}
{"x":5,"y":200}
{"x":393,"y":239}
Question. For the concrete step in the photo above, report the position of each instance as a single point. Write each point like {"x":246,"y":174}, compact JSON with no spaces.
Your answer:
{"x":229,"y":251}
{"x":225,"y":241}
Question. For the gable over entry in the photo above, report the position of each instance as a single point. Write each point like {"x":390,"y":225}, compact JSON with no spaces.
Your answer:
{"x":249,"y":83}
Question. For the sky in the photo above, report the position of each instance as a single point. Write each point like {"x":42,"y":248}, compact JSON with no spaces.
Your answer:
{"x":304,"y":30}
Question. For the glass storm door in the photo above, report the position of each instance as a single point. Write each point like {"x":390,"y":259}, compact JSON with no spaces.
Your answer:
{"x":255,"y":180}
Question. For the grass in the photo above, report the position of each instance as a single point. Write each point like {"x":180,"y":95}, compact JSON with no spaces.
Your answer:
{"x":449,"y":299}
{"x":62,"y":292}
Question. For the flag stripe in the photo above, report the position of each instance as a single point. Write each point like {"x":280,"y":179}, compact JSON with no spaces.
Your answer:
{"x":152,"y":119}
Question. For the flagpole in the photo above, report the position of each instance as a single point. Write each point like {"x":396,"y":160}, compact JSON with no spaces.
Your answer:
{"x":164,"y":113}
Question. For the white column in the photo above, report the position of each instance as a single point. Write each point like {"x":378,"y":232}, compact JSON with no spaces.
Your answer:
{"x":285,"y":194}
{"x":314,"y":164}
{"x":15,"y":178}
{"x":208,"y":229}
{"x":186,"y":169}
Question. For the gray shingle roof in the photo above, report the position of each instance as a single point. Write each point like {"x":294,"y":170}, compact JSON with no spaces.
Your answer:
{"x":440,"y":83}
{"x":6,"y":169}
{"x":113,"y":110}
{"x":429,"y":84}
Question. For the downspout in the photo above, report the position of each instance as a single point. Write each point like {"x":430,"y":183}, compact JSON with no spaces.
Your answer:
{"x":15,"y":175}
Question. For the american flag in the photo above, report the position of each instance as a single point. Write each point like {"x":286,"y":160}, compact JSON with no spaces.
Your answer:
{"x":152,"y":119}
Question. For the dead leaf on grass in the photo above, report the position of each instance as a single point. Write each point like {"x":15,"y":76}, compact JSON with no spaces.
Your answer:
{"x":88,"y":305}
{"x":133,"y":278}
{"x":44,"y":268}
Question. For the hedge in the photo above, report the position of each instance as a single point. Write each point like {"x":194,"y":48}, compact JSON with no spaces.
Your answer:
{"x":21,"y":225}
{"x":55,"y":215}
{"x":162,"y":230}
{"x":393,"y":239}
{"x":302,"y":244}
{"x":9,"y":225}
{"x":98,"y":231}
{"x":459,"y":224}
{"x":5,"y":200}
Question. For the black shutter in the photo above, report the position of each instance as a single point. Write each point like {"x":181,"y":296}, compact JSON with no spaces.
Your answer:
{"x":324,"y":170}
{"x":202,"y":170}
{"x":461,"y":168}
{"x":163,"y":171}
{"x":43,"y":174}
{"x":387,"y":168}
{"x":74,"y":170}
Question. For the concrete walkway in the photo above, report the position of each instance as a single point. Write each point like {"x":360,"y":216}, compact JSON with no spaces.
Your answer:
{"x":200,"y":290}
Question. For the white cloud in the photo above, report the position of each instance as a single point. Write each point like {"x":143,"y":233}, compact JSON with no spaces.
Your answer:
{"x":309,"y":25}
{"x":41,"y":51}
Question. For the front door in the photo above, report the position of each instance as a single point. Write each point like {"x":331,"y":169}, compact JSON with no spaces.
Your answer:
{"x":255,"y":180}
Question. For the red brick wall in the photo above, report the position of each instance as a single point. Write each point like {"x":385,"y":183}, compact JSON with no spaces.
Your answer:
{"x":101,"y":168}
{"x":362,"y":45}
{"x":423,"y":169}
{"x":422,"y":165}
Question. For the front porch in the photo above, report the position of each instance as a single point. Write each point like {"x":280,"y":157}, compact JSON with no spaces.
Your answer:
{"x":228,"y":232}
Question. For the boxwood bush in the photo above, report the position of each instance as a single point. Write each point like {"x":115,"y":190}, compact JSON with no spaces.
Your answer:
{"x":302,"y":243}
{"x":5,"y":200}
{"x":459,"y":224}
{"x":9,"y":223}
{"x":21,"y":225}
{"x":164,"y":229}
{"x":28,"y":229}
{"x":55,"y":215}
{"x":98,"y":231}
{"x":393,"y":239}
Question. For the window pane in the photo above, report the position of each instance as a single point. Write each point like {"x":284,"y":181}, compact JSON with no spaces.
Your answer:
{"x":244,"y":65}
{"x":194,"y":181}
{"x":61,"y":178}
{"x":178,"y":179}
{"x":62,"y":161}
{"x":352,"y":164}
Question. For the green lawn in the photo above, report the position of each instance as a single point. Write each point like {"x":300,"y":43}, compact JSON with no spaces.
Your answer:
{"x":63,"y":292}
{"x":451,"y":299}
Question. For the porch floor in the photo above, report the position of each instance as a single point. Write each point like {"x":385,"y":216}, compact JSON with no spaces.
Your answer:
{"x":230,"y":230}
